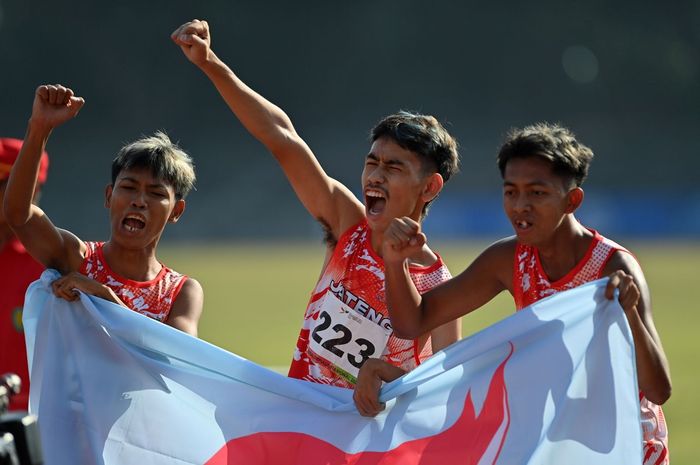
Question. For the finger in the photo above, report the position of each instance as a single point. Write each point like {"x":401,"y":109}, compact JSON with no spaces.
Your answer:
{"x":56,"y":290}
{"x":178,"y":30}
{"x":629,"y":293}
{"x":613,"y":283}
{"x":198,"y":27}
{"x":59,"y":96}
{"x":406,"y":225}
{"x":193,"y":27}
{"x":76,"y":103}
{"x":366,"y":408}
{"x":68,"y":95}
{"x":418,"y":240}
{"x":62,"y":94}
{"x":412,"y":224}
{"x":191,"y":39}
{"x":359,"y":403}
{"x":51,"y":94}
{"x":178,"y":35}
{"x":399,"y":236}
{"x":56,"y":93}
{"x":65,"y":294}
{"x":43,"y":92}
{"x":56,"y":284}
{"x":375,"y":406}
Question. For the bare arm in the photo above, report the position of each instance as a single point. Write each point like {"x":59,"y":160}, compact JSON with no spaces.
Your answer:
{"x":446,"y":335}
{"x":187,"y":308}
{"x":653,"y":373}
{"x":53,"y":247}
{"x":412,"y":314}
{"x":325,"y":198}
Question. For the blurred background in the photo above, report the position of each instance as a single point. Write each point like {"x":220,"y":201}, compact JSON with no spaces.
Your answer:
{"x":624,"y":76}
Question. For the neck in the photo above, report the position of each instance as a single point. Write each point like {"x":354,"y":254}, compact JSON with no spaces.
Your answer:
{"x":565,"y":248}
{"x":134,"y":264}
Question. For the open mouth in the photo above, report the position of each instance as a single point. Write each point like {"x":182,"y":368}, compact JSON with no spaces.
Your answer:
{"x":133,"y":223}
{"x":375,"y":201}
{"x":522,"y":225}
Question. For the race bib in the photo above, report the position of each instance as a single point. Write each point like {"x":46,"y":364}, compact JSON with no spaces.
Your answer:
{"x":345,"y":338}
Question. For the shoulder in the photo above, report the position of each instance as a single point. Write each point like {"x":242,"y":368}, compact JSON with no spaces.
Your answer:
{"x":502,"y":250}
{"x":191,"y":287}
{"x":190,"y":300}
{"x":187,"y":307}
{"x":496,"y":262}
{"x":622,"y":259}
{"x":76,"y":249}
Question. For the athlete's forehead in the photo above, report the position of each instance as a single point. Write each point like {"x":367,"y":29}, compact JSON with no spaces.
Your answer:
{"x":142,"y":175}
{"x":531,"y":172}
{"x":386,"y":159}
{"x":389,"y":152}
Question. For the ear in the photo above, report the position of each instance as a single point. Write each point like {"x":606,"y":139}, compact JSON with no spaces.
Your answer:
{"x":574,"y":199}
{"x":432,"y":187}
{"x":108,"y":195}
{"x":177,"y":212}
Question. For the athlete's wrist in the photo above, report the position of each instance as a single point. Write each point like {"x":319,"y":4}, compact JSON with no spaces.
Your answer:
{"x":38,"y":130}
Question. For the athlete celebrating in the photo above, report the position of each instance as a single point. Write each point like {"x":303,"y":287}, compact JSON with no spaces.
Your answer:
{"x":410,"y":159}
{"x":150,"y":179}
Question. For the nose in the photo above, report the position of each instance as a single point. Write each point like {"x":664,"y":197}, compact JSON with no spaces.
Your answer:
{"x":375,"y":174}
{"x":520,"y":203}
{"x":138,"y":200}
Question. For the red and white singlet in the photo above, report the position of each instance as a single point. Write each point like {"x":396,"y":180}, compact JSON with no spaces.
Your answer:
{"x":530,"y":284}
{"x":346,"y":320}
{"x":152,"y":298}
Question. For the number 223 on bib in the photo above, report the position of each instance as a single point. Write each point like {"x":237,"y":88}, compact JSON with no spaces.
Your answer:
{"x":344,"y":339}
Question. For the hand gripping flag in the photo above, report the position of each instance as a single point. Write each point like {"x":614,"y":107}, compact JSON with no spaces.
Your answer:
{"x":554,"y":383}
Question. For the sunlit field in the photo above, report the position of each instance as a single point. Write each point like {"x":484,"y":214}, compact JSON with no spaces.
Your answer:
{"x":256,"y":293}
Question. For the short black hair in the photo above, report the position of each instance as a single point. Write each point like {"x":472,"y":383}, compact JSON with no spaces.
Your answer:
{"x":165,"y":159}
{"x":556,"y":144}
{"x":423,"y":135}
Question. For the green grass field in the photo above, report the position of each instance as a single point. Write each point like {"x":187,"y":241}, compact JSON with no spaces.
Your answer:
{"x":256,"y":293}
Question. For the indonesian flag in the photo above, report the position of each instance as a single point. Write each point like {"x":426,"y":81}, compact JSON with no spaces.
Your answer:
{"x":552,"y":384}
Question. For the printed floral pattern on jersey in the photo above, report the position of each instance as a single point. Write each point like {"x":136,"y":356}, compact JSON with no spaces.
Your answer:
{"x":355,"y":275}
{"x":532,"y":284}
{"x":654,"y":433}
{"x":153,"y":298}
